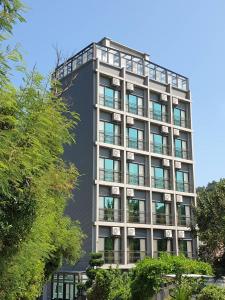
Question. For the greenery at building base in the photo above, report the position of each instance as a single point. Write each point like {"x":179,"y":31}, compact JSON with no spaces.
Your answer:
{"x":210,"y":217}
{"x":212,"y":292}
{"x":35,"y":182}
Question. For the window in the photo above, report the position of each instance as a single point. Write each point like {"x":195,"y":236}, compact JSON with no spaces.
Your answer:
{"x":162,"y":245}
{"x":110,"y":248}
{"x":159,"y":143}
{"x":109,"y":97}
{"x":185,"y":247}
{"x":64,"y":286}
{"x":137,"y":249}
{"x":109,"y":209}
{"x":182,"y":181}
{"x":109,"y":133}
{"x":184,"y":215}
{"x":109,"y":169}
{"x":179,"y":117}
{"x":135,"y":105}
{"x":136,"y":211}
{"x":158,"y":111}
{"x":181,"y":148}
{"x":135,"y":138}
{"x":160,"y":178}
{"x":162,"y":213}
{"x":135,"y":174}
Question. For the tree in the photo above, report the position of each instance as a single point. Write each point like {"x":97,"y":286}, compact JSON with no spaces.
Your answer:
{"x":210,"y":217}
{"x":35,"y":182}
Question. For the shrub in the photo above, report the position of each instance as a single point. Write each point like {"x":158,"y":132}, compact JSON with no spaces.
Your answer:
{"x":212,"y":292}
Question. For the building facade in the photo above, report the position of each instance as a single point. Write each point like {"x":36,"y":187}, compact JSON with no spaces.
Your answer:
{"x":134,"y":152}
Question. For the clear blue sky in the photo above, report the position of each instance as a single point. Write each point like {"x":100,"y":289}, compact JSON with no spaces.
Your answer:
{"x":185,"y":36}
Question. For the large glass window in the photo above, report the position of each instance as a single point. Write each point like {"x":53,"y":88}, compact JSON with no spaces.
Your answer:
{"x":182,"y":181}
{"x":135,"y":105}
{"x":162,"y":213}
{"x":137,"y":249}
{"x":160,"y":178}
{"x":184,"y":214}
{"x":64,"y":286}
{"x":135,"y":174}
{"x":109,"y":209}
{"x":110,"y":248}
{"x":181,"y":148}
{"x":109,"y":169}
{"x":136,"y":211}
{"x":135,"y":138}
{"x":162,"y":245}
{"x":159,"y":143}
{"x":185,"y":247}
{"x":158,"y":111}
{"x":109,"y":97}
{"x":109,"y":133}
{"x":179,"y":117}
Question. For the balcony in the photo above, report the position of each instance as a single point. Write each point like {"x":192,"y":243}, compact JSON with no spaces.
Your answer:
{"x":136,"y":179}
{"x":135,"y":256}
{"x":183,"y":221}
{"x":112,"y":257}
{"x":109,"y":102}
{"x":157,"y":254}
{"x":159,"y":116}
{"x":185,"y":154}
{"x":110,"y":215}
{"x":185,"y":187}
{"x":109,"y":138}
{"x":134,"y":216}
{"x":110,"y":175}
{"x":137,"y":110}
{"x":136,"y":144}
{"x":160,"y":149}
{"x":160,"y":183}
{"x":162,"y":219}
{"x":182,"y":122}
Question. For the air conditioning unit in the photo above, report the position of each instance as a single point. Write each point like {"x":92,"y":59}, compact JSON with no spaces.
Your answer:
{"x":130,"y":156}
{"x":115,"y":81}
{"x":163,"y":97}
{"x":175,"y":101}
{"x":130,"y":86}
{"x":131,"y":231}
{"x":168,"y":233}
{"x":167,"y":197}
{"x":181,"y":234}
{"x":130,"y":121}
{"x":116,"y":153}
{"x":176,"y":132}
{"x":177,"y":165}
{"x":116,"y":117}
{"x":130,"y":192}
{"x":179,"y":198}
{"x":115,"y":190}
{"x":166,"y":162}
{"x":116,"y":231}
{"x":165,"y":129}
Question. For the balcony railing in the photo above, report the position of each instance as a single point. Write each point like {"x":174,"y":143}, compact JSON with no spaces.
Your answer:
{"x":134,"y":256}
{"x":160,"y":253}
{"x":137,"y":110}
{"x":188,"y":254}
{"x":109,"y":175}
{"x":163,"y":117}
{"x":110,"y":215}
{"x":185,"y":154}
{"x":162,"y":219}
{"x":184,"y":187}
{"x":112,"y":257}
{"x":136,"y":179}
{"x":109,"y":102}
{"x":160,"y":183}
{"x":160,"y":149}
{"x":182,"y":122}
{"x":136,"y":144}
{"x":134,"y":216}
{"x":183,"y":221}
{"x":109,"y":138}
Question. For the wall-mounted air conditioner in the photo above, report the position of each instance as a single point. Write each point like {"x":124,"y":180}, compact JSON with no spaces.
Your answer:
{"x":168,"y":233}
{"x":176,"y":132}
{"x":116,"y":117}
{"x":130,"y":86}
{"x":179,"y":198}
{"x":165,"y":162}
{"x":116,"y":231}
{"x":165,"y":129}
{"x":116,"y":153}
{"x":181,"y":234}
{"x":115,"y":190}
{"x":175,"y":101}
{"x":167,"y":197}
{"x":163,"y":97}
{"x":131,"y":231}
{"x":115,"y":81}
{"x":177,"y":165}
{"x":130,"y":192}
{"x":130,"y":156}
{"x":130,"y":121}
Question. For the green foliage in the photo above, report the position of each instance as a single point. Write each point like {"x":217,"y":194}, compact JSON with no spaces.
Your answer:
{"x":110,"y":284}
{"x":148,"y":276}
{"x":95,"y":262}
{"x":212,"y":292}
